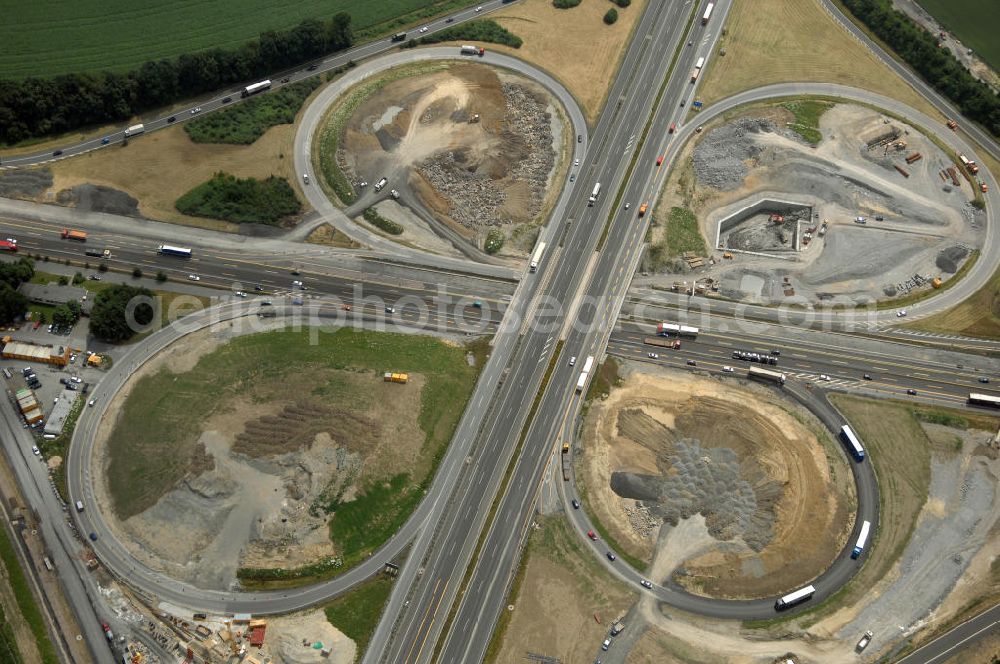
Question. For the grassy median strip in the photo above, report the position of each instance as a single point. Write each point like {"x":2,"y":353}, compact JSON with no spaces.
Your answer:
{"x":501,"y":492}
{"x":26,"y":600}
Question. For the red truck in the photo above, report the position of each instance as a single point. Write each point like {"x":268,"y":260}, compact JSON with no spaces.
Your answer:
{"x":10,"y":244}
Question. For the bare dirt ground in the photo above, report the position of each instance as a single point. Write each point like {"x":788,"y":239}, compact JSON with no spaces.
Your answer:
{"x":269,"y":454}
{"x":668,"y":447}
{"x":584,"y":55}
{"x":928,"y":228}
{"x":908,"y":585}
{"x":328,"y":235}
{"x":474,"y":145}
{"x":417,"y":232}
{"x":564,"y":590}
{"x":286,"y":634}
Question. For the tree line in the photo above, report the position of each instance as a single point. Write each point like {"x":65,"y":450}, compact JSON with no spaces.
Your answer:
{"x":936,"y":65}
{"x":33,"y":107}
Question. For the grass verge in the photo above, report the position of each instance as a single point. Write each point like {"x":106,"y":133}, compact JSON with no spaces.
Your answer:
{"x":26,"y":600}
{"x":357,"y":613}
{"x":976,"y":316}
{"x":244,"y":123}
{"x":486,"y":30}
{"x":372,"y":216}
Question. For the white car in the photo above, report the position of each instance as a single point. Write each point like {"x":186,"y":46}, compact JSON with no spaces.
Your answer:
{"x":240,"y":293}
{"x":572,"y":361}
{"x":727,"y":369}
{"x":36,"y":451}
{"x":824,"y":377}
{"x":76,"y":379}
{"x":296,"y":284}
{"x":196,"y":109}
{"x":423,"y":29}
{"x":479,"y":8}
{"x":901,"y":314}
{"x":194,"y":277}
{"x":576,"y":162}
{"x":653,"y":356}
{"x":646,"y":584}
{"x":92,"y":402}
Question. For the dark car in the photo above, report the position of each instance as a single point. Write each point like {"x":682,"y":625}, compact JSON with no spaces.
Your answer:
{"x":611,"y":556}
{"x":227,"y":100}
{"x":258,"y":287}
{"x":172,"y":118}
{"x":911,"y":392}
{"x":984,"y":379}
{"x":313,"y":67}
{"x":579,"y":138}
{"x":285,"y":80}
{"x":449,"y":20}
{"x":576,"y":504}
{"x":775,"y":351}
{"x":692,"y":363}
{"x":105,"y":140}
{"x":93,"y":537}
{"x":57,"y":153}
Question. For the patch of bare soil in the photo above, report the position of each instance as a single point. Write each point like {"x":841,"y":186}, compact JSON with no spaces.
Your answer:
{"x":665,"y":448}
{"x":328,"y":235}
{"x":290,"y":640}
{"x":473,"y":144}
{"x":567,"y":599}
{"x":266,"y":459}
{"x":95,"y":198}
{"x":25,"y":183}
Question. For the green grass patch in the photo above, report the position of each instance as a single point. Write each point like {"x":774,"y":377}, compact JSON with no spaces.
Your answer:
{"x":26,"y":600}
{"x":333,"y":126}
{"x":682,"y":234}
{"x":9,"y":652}
{"x":975,"y":23}
{"x":244,"y":123}
{"x":164,"y":415}
{"x":241,"y":200}
{"x":604,"y":379}
{"x":372,"y":216}
{"x":118,"y":35}
{"x":807,"y":113}
{"x":357,"y":613}
{"x":486,"y":30}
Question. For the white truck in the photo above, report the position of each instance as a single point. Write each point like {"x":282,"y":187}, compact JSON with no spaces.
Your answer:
{"x":381,"y":183}
{"x":594,"y":195}
{"x":536,"y":257}
{"x":135,"y":130}
{"x":468,"y":49}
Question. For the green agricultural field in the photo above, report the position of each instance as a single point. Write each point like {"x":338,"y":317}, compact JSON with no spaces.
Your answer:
{"x":975,"y":23}
{"x":119,"y":34}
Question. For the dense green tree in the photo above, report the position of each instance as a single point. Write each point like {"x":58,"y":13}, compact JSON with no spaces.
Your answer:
{"x":109,"y":318}
{"x":66,"y":315}
{"x":16,"y":273}
{"x":12,"y":303}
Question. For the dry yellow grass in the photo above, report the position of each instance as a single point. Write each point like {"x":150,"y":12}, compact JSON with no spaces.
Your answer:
{"x":573,"y":45}
{"x":780,"y":41}
{"x":160,"y":167}
{"x":328,"y":235}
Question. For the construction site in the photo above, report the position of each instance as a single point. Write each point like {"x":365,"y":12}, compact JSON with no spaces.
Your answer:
{"x":874,"y":210}
{"x":465,"y":148}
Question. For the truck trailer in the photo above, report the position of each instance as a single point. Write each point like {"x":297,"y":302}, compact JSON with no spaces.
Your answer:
{"x":536,"y":257}
{"x":135,"y":130}
{"x":594,"y":195}
{"x":73,"y":234}
{"x":708,"y":13}
{"x":468,"y":49}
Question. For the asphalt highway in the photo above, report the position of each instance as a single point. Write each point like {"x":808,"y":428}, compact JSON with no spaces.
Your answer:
{"x":410,"y":628}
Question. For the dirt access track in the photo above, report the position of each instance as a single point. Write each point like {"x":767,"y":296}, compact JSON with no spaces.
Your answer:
{"x":749,"y":494}
{"x":468,"y":146}
{"x":852,"y":228}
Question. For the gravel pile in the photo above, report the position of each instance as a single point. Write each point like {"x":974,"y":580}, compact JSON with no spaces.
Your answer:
{"x":720,"y":156}
{"x":476,"y":198}
{"x":735,"y":496}
{"x":950,"y":259}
